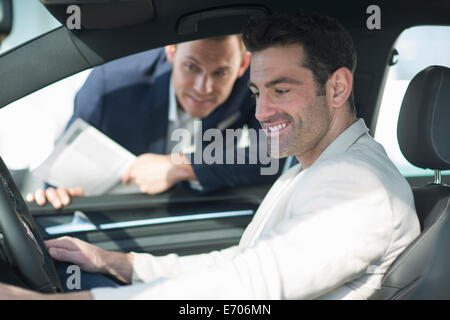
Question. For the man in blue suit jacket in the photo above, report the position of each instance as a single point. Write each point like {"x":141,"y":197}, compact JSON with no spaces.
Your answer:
{"x":138,"y":101}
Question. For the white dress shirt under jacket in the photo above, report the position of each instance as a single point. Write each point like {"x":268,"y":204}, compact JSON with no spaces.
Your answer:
{"x":329,"y":231}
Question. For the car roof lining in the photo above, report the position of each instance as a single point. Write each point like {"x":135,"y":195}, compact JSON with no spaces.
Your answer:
{"x":101,"y":14}
{"x":39,"y":62}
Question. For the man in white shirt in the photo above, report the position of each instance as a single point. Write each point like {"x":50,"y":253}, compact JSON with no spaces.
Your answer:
{"x":329,"y":228}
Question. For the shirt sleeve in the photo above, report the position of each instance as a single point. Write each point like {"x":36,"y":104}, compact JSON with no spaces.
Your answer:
{"x":148,"y":268}
{"x":329,"y":235}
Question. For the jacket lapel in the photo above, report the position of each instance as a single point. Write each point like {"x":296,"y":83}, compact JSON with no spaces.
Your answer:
{"x":157,"y":115}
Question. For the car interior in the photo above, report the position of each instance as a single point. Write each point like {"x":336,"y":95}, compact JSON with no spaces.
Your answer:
{"x":181,"y":220}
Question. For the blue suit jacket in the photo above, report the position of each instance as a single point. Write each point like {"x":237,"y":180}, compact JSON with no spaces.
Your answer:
{"x":127,"y":99}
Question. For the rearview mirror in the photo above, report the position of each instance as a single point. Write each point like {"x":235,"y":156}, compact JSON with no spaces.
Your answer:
{"x":6,"y":17}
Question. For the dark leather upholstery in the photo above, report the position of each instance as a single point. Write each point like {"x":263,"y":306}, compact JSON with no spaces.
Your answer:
{"x":423,"y":129}
{"x":435,"y":283}
{"x":424,"y":138}
{"x":409,"y":268}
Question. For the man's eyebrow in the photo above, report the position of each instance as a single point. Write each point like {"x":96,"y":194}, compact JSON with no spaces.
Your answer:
{"x":274,"y":82}
{"x":281,"y":80}
{"x":193,"y":59}
{"x":223,"y":68}
{"x":252,"y":85}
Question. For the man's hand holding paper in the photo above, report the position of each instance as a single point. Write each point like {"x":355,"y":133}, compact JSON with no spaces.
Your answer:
{"x":86,"y":162}
{"x":83,"y":162}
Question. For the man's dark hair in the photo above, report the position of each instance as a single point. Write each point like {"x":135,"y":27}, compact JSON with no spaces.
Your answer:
{"x":326,"y":43}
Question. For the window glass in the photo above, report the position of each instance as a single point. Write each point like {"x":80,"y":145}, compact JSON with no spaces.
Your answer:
{"x":30,"y":126}
{"x":30,"y":20}
{"x":418,"y":48}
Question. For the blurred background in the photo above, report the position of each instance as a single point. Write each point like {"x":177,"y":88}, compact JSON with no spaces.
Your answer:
{"x":29,"y":126}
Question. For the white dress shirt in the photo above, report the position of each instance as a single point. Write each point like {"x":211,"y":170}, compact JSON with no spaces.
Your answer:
{"x":329,"y":231}
{"x":179,"y":119}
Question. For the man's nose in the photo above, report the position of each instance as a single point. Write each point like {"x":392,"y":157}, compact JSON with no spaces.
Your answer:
{"x":264,"y":108}
{"x":203,"y":84}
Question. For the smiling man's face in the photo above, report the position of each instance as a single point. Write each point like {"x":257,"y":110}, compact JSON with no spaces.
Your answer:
{"x":204,"y":72}
{"x":287,"y":104}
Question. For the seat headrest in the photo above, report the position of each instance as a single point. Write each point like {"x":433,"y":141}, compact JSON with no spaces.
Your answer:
{"x":423,"y":129}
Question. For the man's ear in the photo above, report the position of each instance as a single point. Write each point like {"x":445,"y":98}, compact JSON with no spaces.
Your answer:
{"x":170,"y":52}
{"x":245,"y":63}
{"x":340,"y":87}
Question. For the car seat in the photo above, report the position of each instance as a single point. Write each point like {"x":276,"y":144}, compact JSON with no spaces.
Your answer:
{"x":422,"y":271}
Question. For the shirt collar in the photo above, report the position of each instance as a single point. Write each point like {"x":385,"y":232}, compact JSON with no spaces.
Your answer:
{"x":345,"y":140}
{"x":173,"y":114}
{"x":177,"y":115}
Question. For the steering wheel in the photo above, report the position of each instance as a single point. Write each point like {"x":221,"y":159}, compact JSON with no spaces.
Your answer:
{"x":23,"y":239}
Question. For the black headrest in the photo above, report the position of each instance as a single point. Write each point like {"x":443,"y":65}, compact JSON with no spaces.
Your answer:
{"x":423,"y":129}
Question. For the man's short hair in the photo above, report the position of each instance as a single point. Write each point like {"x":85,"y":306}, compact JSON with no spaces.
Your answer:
{"x":242,"y":47}
{"x":326,"y":43}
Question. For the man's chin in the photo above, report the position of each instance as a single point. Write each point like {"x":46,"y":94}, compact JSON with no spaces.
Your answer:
{"x":278,"y":155}
{"x":199,"y":110}
{"x":279,"y":150}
